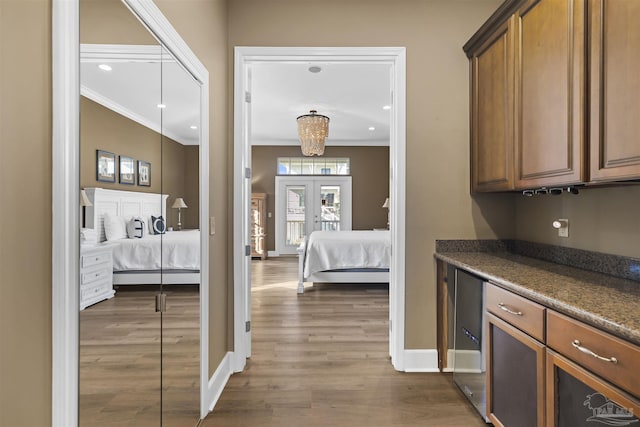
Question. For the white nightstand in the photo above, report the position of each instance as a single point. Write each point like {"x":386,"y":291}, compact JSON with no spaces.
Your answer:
{"x":96,"y":274}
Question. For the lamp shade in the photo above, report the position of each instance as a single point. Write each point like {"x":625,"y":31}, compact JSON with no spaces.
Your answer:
{"x":386,"y":203}
{"x":179,"y":203}
{"x":313,"y":128}
{"x":84,"y":199}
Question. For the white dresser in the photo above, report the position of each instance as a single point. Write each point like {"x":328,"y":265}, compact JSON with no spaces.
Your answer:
{"x":96,"y":274}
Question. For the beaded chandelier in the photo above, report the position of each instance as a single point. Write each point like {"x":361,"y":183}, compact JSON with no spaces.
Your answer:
{"x":313,"y":128}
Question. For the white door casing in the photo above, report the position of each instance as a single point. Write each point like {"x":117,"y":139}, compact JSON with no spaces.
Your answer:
{"x":396,"y":58}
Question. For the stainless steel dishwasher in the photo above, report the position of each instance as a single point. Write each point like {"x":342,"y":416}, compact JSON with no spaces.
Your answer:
{"x":469,"y":365}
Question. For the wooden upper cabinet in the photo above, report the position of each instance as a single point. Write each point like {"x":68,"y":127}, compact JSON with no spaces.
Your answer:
{"x":492,"y":112}
{"x":614,"y":89}
{"x":549,"y":95}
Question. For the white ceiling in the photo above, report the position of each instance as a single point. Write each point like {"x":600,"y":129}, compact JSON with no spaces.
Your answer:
{"x":351,"y":95}
{"x":141,"y":78}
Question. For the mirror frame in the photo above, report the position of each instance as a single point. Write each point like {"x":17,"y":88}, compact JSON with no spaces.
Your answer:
{"x":65,"y":40}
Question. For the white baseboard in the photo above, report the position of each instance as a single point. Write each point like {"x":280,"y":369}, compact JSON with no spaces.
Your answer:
{"x":219,"y":380}
{"x":271,"y":254}
{"x":421,"y":360}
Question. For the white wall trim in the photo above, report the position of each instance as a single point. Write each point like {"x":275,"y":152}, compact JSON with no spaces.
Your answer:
{"x":396,"y":57}
{"x":423,"y":360}
{"x":219,"y":380}
{"x":65,"y":213}
{"x":66,"y":196}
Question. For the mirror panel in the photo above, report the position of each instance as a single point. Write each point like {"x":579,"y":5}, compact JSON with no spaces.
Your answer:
{"x":180,"y":180}
{"x":131,"y":373}
{"x":120,"y":346}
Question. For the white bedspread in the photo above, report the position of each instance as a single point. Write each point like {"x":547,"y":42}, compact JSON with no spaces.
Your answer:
{"x":335,"y":250}
{"x":180,"y":251}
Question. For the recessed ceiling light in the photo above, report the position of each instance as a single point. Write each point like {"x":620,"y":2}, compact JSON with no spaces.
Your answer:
{"x":162,"y":106}
{"x":387,"y":107}
{"x":193,"y":127}
{"x":372,"y":128}
{"x":105,"y":67}
{"x":314,"y":69}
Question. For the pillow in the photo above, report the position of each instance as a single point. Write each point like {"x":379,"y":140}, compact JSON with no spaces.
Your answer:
{"x":159,"y":225}
{"x":135,"y":228}
{"x":115,"y":227}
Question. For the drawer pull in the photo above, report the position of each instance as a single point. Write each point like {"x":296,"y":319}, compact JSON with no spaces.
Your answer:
{"x":585,"y":350}
{"x":503,"y":307}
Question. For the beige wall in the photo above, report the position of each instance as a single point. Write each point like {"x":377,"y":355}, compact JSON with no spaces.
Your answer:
{"x":25,"y":213}
{"x":370,"y":182}
{"x":600,"y":219}
{"x":433,"y":31}
{"x":203,"y":25}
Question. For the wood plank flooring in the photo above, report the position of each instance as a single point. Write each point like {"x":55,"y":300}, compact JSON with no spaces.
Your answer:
{"x":120,"y":360}
{"x":321,"y":359}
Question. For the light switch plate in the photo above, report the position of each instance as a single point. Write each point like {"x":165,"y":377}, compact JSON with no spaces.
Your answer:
{"x":212,"y":225}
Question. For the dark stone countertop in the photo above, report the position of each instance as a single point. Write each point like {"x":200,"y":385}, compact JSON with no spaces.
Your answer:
{"x":606,"y":302}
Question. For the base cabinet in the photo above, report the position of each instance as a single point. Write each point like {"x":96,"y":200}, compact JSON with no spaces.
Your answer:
{"x":576,"y":397}
{"x":515,"y":388}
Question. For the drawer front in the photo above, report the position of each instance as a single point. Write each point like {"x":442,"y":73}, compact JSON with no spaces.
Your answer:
{"x":520,"y":312}
{"x":594,"y":349}
{"x":99,"y":288}
{"x":95,"y":275}
{"x":87,"y":260}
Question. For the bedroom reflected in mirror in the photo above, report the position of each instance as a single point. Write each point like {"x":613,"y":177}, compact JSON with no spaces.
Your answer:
{"x":139,"y":363}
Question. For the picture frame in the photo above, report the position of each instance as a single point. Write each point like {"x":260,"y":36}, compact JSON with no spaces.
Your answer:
{"x":105,"y":166}
{"x":144,"y":173}
{"x":127,"y":170}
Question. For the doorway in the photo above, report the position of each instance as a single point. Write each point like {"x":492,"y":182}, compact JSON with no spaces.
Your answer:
{"x":307,"y":204}
{"x":244,"y":58}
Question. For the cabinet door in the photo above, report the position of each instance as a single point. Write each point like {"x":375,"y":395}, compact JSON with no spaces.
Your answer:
{"x":550,"y":79}
{"x":576,"y":397}
{"x":492,"y":113}
{"x":515,"y":369}
{"x":614,"y":86}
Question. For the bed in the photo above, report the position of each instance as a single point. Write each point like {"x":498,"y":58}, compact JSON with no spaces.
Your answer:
{"x":344,"y":257}
{"x":169,"y":258}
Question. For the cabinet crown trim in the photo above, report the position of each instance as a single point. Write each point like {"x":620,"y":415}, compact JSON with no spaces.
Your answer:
{"x":499,"y":17}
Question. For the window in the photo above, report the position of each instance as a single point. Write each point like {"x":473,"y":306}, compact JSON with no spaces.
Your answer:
{"x":313,"y":166}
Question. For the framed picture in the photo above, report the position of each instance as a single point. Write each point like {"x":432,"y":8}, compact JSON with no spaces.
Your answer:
{"x":105,"y":166}
{"x":144,"y":173}
{"x":127,"y":170}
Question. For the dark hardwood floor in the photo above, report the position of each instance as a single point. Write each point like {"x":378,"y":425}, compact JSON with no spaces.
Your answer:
{"x":120,"y":360}
{"x":321,"y":359}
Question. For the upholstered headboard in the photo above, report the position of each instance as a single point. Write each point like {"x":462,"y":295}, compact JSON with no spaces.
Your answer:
{"x":121,"y":203}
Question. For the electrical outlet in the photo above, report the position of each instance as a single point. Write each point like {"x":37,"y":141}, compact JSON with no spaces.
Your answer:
{"x":268,"y":214}
{"x":563,"y":229}
{"x":212,"y":226}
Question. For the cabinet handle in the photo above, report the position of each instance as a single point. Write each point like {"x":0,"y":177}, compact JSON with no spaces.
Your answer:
{"x":503,"y":307}
{"x":585,"y":350}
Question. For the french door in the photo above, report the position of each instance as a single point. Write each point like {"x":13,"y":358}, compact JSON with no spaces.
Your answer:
{"x":308,"y":203}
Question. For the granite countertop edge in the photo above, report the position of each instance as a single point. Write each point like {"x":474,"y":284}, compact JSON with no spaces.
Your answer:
{"x":602,"y":322}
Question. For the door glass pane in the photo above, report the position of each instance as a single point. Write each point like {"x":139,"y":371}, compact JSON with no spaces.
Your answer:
{"x":330,"y":207}
{"x":295,"y":212}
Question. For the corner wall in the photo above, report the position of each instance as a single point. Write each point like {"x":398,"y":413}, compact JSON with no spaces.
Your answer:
{"x":25,"y":214}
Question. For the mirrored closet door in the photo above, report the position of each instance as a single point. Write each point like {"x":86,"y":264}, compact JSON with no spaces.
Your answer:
{"x":140,"y":254}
